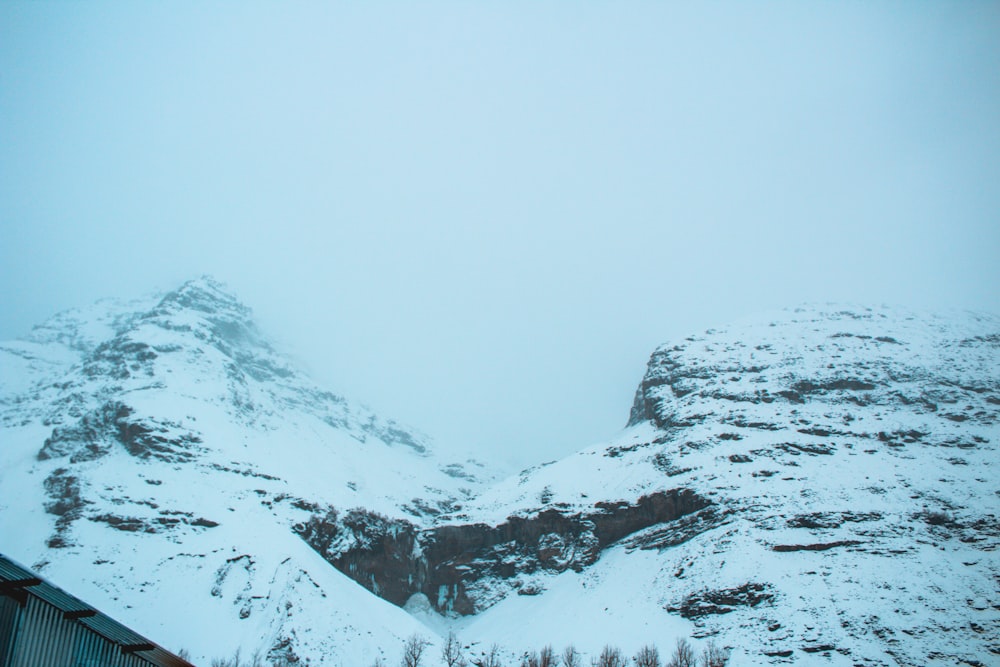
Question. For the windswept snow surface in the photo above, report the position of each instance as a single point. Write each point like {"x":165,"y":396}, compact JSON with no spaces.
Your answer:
{"x":157,"y":456}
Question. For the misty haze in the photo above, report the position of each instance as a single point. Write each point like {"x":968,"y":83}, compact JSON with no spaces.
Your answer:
{"x":499,"y":334}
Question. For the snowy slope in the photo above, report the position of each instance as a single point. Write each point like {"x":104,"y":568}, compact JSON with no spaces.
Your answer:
{"x":850,"y":459}
{"x":818,"y":485}
{"x":157,"y":456}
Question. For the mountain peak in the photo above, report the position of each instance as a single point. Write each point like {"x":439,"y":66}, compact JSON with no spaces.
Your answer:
{"x":207,"y":295}
{"x":813,"y":354}
{"x":809,"y":481}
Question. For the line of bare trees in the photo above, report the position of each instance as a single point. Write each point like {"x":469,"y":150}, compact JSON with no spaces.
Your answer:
{"x":684,"y":655}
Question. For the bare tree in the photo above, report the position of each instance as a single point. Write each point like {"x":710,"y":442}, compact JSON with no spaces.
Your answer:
{"x":490,"y":659}
{"x":413,"y":651}
{"x":570,"y":657}
{"x":451,"y":652}
{"x":714,"y":655}
{"x":232,"y":662}
{"x":683,"y":655}
{"x":610,"y":657}
{"x":648,"y":656}
{"x":543,"y":659}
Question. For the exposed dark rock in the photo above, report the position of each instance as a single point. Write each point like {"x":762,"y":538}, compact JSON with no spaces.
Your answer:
{"x":827,"y":432}
{"x":678,"y":531}
{"x":120,"y":358}
{"x":641,"y":408}
{"x":899,"y":438}
{"x":707,"y":603}
{"x":320,"y":530}
{"x":305,"y":505}
{"x":830,"y":519}
{"x":802,"y":389}
{"x":395,"y":560}
{"x":814,"y":547}
{"x":66,"y":503}
{"x":156,"y":439}
{"x":663,"y":463}
{"x":125,"y":523}
{"x":615,"y":452}
{"x":796,"y":448}
{"x":743,"y":423}
{"x":791,"y":396}
{"x":96,"y":432}
{"x":755,"y":397}
{"x":937,"y":518}
{"x":390,"y":433}
{"x":64,"y":491}
{"x":166,"y":521}
{"x":88,"y":439}
{"x":840,"y":384}
{"x":458,"y":471}
{"x":740,"y":458}
{"x":530,"y":589}
{"x":819,"y":648}
{"x":423,"y":508}
{"x":245,"y":472}
{"x":665,"y":373}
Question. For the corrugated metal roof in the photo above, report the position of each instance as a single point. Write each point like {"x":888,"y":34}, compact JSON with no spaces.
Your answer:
{"x":12,"y":572}
{"x":113,"y":630}
{"x":15,"y":577}
{"x":59,"y":598}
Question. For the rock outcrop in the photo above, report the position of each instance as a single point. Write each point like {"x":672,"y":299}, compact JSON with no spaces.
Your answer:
{"x":465,"y":568}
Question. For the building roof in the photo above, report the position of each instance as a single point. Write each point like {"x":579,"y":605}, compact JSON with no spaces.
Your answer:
{"x":18,"y":581}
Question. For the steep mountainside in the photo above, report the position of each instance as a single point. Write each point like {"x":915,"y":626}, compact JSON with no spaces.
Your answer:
{"x":818,"y":485}
{"x":846,"y":461}
{"x":821,"y":484}
{"x":158,"y":455}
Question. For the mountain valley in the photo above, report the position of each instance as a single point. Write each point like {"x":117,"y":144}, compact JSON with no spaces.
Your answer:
{"x":818,"y":484}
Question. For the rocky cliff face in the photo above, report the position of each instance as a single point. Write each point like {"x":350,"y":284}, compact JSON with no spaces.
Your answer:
{"x":465,"y":568}
{"x":838,"y":360}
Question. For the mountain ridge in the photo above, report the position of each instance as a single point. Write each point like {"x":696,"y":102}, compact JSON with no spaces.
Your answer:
{"x":731,"y":506}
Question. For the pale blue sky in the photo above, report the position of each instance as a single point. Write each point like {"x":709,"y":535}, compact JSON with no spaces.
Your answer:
{"x":482,"y":217}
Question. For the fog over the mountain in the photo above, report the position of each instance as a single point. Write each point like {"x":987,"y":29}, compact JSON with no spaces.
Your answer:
{"x":481,"y":218}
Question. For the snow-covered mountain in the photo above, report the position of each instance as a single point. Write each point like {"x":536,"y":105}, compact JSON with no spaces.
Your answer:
{"x":842,"y":495}
{"x":157,"y":456}
{"x":820,"y":484}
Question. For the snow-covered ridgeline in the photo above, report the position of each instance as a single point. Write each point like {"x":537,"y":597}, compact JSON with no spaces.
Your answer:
{"x":818,"y":484}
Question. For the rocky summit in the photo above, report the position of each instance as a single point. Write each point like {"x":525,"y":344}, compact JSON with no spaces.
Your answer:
{"x":819,"y":484}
